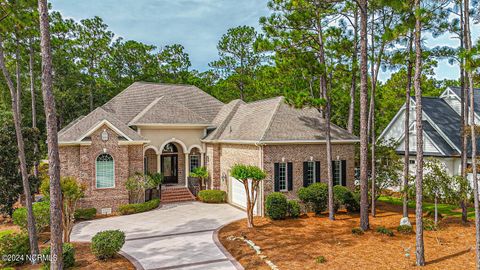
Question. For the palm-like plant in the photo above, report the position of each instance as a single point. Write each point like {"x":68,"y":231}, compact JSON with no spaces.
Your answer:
{"x":200,"y":173}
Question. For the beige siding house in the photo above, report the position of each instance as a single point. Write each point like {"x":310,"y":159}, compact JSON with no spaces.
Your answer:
{"x":174,"y":128}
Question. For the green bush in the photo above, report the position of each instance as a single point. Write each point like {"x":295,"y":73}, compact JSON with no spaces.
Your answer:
{"x":68,"y":255}
{"x":339,"y":196}
{"x":293,"y":209}
{"x":352,"y":202}
{"x":16,"y":245}
{"x":316,"y":194}
{"x":384,"y":230}
{"x":41,"y":212}
{"x":429,"y":224}
{"x":85,"y":213}
{"x":276,"y":206}
{"x":133,"y":208}
{"x":212,"y":196}
{"x":405,"y":229}
{"x":357,"y":231}
{"x":107,"y":243}
{"x":320,"y":259}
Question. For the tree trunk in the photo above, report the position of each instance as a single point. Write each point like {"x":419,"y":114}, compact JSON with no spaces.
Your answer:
{"x":249,"y":207}
{"x":32,"y":94}
{"x":436,"y":210}
{"x":351,"y":109}
{"x":32,"y":234}
{"x":17,"y":75}
{"x":406,"y":160}
{"x":52,"y":139}
{"x":463,"y":114}
{"x":364,"y":222}
{"x":420,"y":250}
{"x":468,"y":48}
{"x":371,"y":121}
{"x":326,"y":96}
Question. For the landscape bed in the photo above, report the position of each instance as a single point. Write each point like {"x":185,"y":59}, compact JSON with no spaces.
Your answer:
{"x":298,"y":243}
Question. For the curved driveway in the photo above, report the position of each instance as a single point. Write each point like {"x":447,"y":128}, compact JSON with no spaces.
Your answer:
{"x":174,"y":236}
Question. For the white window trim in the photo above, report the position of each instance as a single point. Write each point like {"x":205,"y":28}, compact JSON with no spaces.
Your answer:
{"x":190,"y":161}
{"x":314,"y":172}
{"x":340,"y":172}
{"x":96,"y":180}
{"x":286,"y":177}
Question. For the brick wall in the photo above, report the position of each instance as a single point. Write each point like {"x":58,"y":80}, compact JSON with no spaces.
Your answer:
{"x":79,"y":161}
{"x":297,"y":154}
{"x":232,"y":154}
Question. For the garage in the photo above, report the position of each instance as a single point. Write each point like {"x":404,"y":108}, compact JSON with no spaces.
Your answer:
{"x":238,"y":196}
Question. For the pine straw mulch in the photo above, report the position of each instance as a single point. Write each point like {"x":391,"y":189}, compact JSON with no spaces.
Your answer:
{"x":296,"y":243}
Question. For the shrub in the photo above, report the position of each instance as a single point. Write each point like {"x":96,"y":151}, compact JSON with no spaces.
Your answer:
{"x":41,"y":212}
{"x":429,"y":224}
{"x":212,"y":196}
{"x":276,"y":206}
{"x":320,"y":259}
{"x":339,"y":196}
{"x":14,"y":244}
{"x":357,"y":231}
{"x":405,"y":229}
{"x":316,"y":195}
{"x":68,"y":255}
{"x":385,"y":231}
{"x":107,"y":243}
{"x":352,"y":202}
{"x":293,"y":209}
{"x":134,"y":208}
{"x":85,"y":213}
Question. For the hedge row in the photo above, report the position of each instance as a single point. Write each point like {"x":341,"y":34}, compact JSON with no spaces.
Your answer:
{"x":134,"y":208}
{"x":212,"y":196}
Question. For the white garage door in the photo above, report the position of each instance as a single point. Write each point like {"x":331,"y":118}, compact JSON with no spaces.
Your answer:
{"x":239,"y":197}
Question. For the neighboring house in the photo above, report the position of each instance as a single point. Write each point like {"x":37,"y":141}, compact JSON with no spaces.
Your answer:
{"x":172,"y":129}
{"x":441,"y":128}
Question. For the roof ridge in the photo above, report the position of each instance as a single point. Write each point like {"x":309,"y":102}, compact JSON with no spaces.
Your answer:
{"x":164,"y":83}
{"x":145,"y":110}
{"x":229,"y":118}
{"x":271,"y":117}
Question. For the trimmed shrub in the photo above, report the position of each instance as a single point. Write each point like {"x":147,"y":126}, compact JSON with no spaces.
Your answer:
{"x":85,"y":213}
{"x":316,"y":195}
{"x":352,"y":202}
{"x":41,"y":212}
{"x":68,"y":255}
{"x":357,"y":231}
{"x":384,"y":230}
{"x":429,"y":224}
{"x":133,"y":208}
{"x":276,"y":206}
{"x":107,"y":243}
{"x":293,"y":209}
{"x":405,"y":229}
{"x":212,"y":196}
{"x":339,"y":196}
{"x":14,"y":248}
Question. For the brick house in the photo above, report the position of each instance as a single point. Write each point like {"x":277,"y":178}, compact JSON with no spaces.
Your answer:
{"x":174,"y":128}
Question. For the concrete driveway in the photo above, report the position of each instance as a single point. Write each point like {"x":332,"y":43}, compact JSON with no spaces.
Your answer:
{"x":174,"y":236}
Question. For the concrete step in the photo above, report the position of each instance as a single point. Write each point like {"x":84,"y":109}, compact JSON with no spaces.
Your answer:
{"x":176,"y":194}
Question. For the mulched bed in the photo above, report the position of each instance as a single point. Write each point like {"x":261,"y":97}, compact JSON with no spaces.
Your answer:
{"x":296,"y":243}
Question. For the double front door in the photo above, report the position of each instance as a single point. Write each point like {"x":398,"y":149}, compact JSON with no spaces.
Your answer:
{"x":169,"y":166}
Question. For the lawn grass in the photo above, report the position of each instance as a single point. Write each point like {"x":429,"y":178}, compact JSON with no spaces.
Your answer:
{"x":444,"y":209}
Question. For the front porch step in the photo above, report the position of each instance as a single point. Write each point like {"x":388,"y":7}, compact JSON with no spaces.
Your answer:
{"x":176,"y":194}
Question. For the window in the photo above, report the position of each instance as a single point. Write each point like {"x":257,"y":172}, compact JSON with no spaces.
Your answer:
{"x":105,"y":171}
{"x":170,"y":148}
{"x":194,"y":162}
{"x":310,"y":172}
{"x":411,"y":162}
{"x":282,"y":176}
{"x":337,"y":172}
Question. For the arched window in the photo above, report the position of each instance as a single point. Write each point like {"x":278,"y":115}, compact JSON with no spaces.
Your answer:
{"x":105,"y":171}
{"x":170,"y":148}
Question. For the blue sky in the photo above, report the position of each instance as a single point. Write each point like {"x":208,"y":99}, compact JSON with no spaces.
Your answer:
{"x":196,"y":24}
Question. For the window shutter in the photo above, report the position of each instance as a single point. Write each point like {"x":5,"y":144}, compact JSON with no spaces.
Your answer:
{"x":332,"y":164}
{"x":317,"y":171}
{"x":344,"y":173}
{"x":305,"y":174}
{"x":276,"y":180}
{"x":290,"y":175}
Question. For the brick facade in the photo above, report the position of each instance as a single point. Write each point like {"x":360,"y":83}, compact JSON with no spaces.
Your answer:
{"x":79,"y":161}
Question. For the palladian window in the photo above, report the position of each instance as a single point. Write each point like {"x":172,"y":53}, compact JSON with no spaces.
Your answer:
{"x":105,"y":171}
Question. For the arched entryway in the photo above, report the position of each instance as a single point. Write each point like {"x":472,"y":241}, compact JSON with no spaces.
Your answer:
{"x":170,"y":163}
{"x":150,"y":160}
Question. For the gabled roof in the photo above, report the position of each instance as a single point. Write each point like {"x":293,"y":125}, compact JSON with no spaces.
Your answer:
{"x":165,"y":110}
{"x":272,"y":120}
{"x":437,"y":139}
{"x":476,"y":93}
{"x":133,"y":100}
{"x":85,"y":125}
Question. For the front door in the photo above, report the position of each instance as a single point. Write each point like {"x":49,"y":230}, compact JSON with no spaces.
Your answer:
{"x":170,"y":169}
